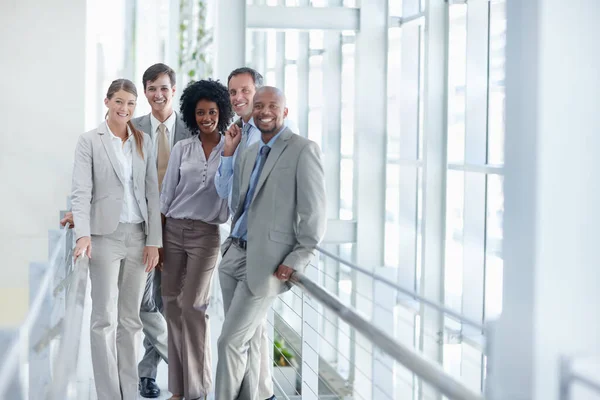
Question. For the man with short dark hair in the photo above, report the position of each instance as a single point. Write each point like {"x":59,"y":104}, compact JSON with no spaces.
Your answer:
{"x":165,"y":128}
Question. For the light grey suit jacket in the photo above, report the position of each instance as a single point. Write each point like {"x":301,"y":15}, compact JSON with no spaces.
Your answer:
{"x":287,"y":217}
{"x":98,"y":187}
{"x":181,"y":131}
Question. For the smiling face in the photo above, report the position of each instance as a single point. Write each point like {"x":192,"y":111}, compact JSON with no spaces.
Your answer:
{"x":207,"y":116}
{"x":241,"y":92}
{"x":159,"y":93}
{"x":269,"y":110}
{"x":121,"y":106}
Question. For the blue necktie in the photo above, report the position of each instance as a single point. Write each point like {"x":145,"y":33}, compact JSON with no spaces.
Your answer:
{"x":242,"y":224}
{"x":244,"y":142}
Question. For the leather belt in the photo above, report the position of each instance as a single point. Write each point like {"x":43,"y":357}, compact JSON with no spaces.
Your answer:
{"x":241,"y":243}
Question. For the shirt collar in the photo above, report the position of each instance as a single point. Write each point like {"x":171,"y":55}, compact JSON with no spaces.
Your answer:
{"x":113,"y":136}
{"x":273,"y":139}
{"x":251,"y":122}
{"x":169,"y":123}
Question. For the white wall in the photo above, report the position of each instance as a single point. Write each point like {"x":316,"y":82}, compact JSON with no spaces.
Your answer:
{"x":42,"y":82}
{"x":552,"y":192}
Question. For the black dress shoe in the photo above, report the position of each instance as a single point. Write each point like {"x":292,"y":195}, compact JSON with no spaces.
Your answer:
{"x":272,"y":398}
{"x":149,"y":388}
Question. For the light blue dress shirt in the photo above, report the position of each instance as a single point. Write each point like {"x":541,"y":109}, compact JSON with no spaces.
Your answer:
{"x":224,"y":175}
{"x":238,"y":231}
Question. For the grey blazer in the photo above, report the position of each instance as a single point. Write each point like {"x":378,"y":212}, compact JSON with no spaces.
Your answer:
{"x":287,"y":217}
{"x":181,"y":131}
{"x":98,"y":187}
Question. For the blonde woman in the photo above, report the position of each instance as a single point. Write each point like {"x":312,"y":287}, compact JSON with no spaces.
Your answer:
{"x":115,"y":204}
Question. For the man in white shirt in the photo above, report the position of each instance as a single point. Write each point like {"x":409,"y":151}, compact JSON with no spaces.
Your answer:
{"x":165,"y":128}
{"x":242,"y":84}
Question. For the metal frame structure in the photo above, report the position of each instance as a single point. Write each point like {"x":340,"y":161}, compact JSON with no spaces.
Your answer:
{"x":373,"y":89}
{"x":417,"y":363}
{"x":44,"y":350}
{"x":404,"y":144}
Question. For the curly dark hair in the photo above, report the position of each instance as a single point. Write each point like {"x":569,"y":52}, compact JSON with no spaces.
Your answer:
{"x":205,"y":89}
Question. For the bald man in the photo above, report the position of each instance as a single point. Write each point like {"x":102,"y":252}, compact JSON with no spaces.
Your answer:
{"x":279,"y":220}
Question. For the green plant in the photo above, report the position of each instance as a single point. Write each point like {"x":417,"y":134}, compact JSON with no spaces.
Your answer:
{"x":281,"y":355}
{"x":194,"y":39}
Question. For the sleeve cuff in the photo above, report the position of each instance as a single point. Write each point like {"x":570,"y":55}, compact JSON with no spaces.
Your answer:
{"x":226,"y":162}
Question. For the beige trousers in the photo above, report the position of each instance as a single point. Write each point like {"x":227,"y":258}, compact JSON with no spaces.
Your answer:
{"x":118,"y":278}
{"x":191,"y":251}
{"x":244,"y":366}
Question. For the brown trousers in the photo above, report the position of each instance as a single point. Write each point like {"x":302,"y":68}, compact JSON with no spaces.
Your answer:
{"x":191,"y":249}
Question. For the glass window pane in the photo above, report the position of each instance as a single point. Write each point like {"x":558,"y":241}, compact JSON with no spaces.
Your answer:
{"x":291,"y":91}
{"x":395,"y":8}
{"x":291,"y":45}
{"x":457,"y":68}
{"x":346,"y":189}
{"x":347,"y":124}
{"x":315,"y":99}
{"x":270,"y":78}
{"x":271,"y":48}
{"x":419,"y":227}
{"x":316,"y":40}
{"x":494,"y":263}
{"x":421,"y":137}
{"x":392,"y":217}
{"x":455,"y":199}
{"x":496,"y":112}
{"x":393,"y":89}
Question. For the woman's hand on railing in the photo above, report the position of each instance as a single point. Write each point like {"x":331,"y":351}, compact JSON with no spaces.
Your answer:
{"x":68,"y":218}
{"x":150,"y":257}
{"x":83,"y":245}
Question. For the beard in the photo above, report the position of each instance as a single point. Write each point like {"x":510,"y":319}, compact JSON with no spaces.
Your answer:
{"x":267,"y":130}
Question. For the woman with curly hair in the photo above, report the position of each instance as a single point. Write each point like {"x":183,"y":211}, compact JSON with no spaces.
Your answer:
{"x":193,"y":212}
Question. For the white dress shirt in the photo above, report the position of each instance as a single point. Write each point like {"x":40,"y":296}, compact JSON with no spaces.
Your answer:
{"x":154,"y":124}
{"x":130,"y":213}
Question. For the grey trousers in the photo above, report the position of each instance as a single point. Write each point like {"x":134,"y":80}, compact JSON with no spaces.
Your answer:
{"x":191,"y":252}
{"x":118,"y":276}
{"x":154,"y":327}
{"x":244,"y":365}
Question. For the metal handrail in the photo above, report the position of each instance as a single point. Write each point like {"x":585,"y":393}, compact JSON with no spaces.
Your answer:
{"x":65,"y":374}
{"x":422,"y":367}
{"x":424,"y":300}
{"x":9,"y":365}
{"x":568,"y":377}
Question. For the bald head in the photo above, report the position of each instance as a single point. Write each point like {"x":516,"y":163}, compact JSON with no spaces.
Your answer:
{"x":271,"y":91}
{"x":269,"y":110}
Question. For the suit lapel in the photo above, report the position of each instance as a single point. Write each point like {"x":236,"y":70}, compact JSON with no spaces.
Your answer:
{"x":278,"y":147}
{"x":180,"y":129}
{"x":245,"y":179}
{"x":105,"y":138}
{"x":146,"y":126}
